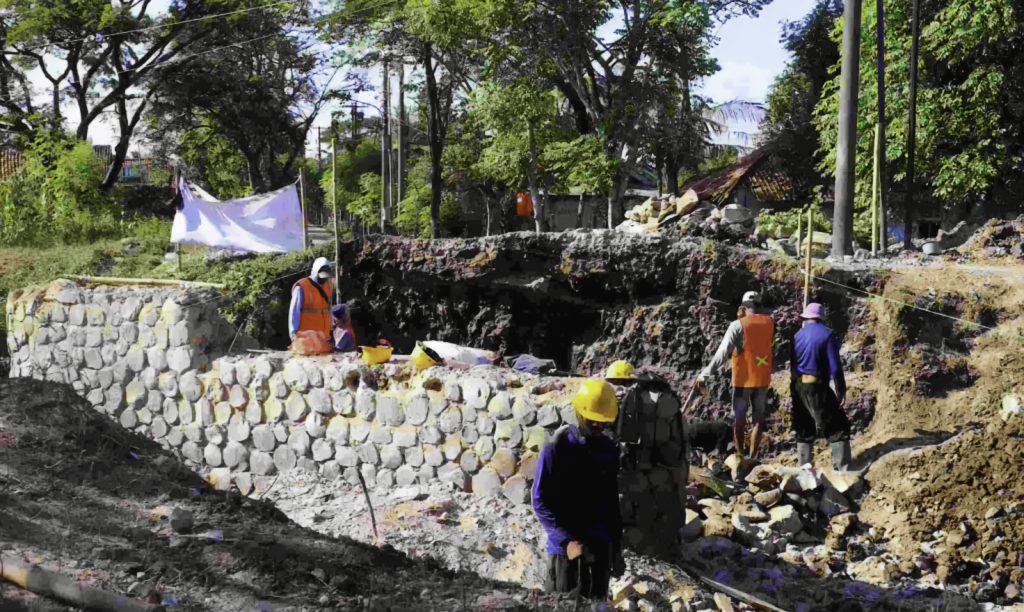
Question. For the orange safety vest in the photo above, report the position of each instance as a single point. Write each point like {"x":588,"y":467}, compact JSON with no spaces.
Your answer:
{"x":316,"y":310}
{"x":753,"y":367}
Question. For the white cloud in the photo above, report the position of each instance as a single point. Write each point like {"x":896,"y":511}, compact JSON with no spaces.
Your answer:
{"x":738,"y":81}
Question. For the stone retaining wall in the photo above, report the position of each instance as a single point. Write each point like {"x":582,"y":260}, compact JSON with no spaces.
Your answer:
{"x":154,"y":360}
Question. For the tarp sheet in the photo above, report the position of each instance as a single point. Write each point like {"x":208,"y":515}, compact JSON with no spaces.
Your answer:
{"x":265,"y":223}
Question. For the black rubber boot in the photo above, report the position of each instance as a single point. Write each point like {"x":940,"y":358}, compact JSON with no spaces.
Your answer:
{"x":841,"y":455}
{"x":803,"y":453}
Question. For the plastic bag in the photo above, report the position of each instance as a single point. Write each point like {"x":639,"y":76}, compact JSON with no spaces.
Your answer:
{"x":310,"y":342}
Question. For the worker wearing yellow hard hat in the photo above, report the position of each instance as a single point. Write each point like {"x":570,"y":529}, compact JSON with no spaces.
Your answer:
{"x":619,"y":371}
{"x":576,"y":497}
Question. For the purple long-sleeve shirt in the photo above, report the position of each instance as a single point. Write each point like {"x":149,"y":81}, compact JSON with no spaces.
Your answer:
{"x":575,"y":491}
{"x":816,"y":351}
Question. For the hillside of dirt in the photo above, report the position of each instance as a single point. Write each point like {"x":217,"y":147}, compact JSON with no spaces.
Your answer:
{"x":83,"y":497}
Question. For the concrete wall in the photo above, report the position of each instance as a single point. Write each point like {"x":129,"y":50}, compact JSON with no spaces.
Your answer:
{"x":153,"y":359}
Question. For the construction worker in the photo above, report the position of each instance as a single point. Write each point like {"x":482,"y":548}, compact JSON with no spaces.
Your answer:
{"x":344,"y":339}
{"x":748,"y":341}
{"x":576,"y":497}
{"x":310,"y":308}
{"x":817,"y":409}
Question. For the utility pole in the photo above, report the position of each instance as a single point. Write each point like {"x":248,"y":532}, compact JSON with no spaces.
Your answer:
{"x":882,"y":182}
{"x":403,"y":133}
{"x":908,"y":213}
{"x":385,"y":151}
{"x":334,"y":202}
{"x":846,"y":156}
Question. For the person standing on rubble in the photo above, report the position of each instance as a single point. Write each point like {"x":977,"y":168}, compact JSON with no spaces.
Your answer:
{"x":748,"y":341}
{"x":576,"y":497}
{"x":310,"y":307}
{"x":817,"y":409}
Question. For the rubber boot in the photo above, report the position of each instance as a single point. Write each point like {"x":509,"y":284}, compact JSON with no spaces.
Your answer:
{"x":803,"y":453}
{"x":841,"y":456}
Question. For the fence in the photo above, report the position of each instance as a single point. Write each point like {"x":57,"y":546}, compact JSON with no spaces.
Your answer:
{"x":134,"y":171}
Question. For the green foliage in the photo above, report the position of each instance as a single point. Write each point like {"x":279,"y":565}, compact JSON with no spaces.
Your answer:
{"x":413,"y":216}
{"x":352,"y":164}
{"x":55,"y":197}
{"x":726,"y":158}
{"x":219,"y":163}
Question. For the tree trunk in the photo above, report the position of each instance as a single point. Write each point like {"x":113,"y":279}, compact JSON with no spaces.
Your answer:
{"x":579,"y":212}
{"x":846,"y":154}
{"x":538,"y":203}
{"x":435,"y":143}
{"x":672,"y":174}
{"x":618,"y":191}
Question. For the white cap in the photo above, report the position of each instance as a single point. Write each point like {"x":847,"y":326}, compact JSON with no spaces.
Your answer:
{"x":752,"y":297}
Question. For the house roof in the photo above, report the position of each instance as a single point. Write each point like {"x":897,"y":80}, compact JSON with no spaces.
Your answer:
{"x":759,"y":170}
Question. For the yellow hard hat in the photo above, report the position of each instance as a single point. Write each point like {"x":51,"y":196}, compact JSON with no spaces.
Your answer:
{"x":619,"y":370}
{"x":376,"y":354}
{"x":423,"y":358}
{"x":595,"y":401}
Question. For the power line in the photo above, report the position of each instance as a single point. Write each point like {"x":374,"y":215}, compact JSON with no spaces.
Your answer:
{"x":180,"y":58}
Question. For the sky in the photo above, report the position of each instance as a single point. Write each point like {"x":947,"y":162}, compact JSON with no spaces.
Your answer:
{"x":748,"y":52}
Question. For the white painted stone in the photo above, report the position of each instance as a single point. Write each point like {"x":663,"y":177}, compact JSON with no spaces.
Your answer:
{"x":284,"y":458}
{"x":179,"y":358}
{"x":319,"y":401}
{"x":235,"y":454}
{"x":343,"y":403}
{"x":212,"y":455}
{"x":366,"y":403}
{"x":295,"y":406}
{"x":322,"y":450}
{"x":243,"y":373}
{"x":168,"y":384}
{"x":391,"y":456}
{"x":262,"y":463}
{"x":416,"y":410}
{"x":263,"y":438}
{"x":346,"y":456}
{"x":476,"y":393}
{"x":315,"y":425}
{"x":190,"y":386}
{"x":500,"y":407}
{"x":238,"y":428}
{"x":295,"y":376}
{"x":337,"y":430}
{"x":299,"y":442}
{"x":170,"y":411}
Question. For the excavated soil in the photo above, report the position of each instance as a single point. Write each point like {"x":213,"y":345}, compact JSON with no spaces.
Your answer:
{"x":85,"y":498}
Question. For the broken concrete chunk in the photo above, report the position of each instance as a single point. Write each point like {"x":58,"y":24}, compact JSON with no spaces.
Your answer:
{"x":487,"y":483}
{"x":785,"y":520}
{"x":798,"y":480}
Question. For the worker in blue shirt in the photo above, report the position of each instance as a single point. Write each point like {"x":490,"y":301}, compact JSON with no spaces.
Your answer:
{"x":817,"y":409}
{"x":576,"y":497}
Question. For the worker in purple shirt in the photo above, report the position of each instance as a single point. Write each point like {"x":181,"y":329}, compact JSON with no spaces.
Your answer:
{"x":576,"y":497}
{"x":817,"y":409}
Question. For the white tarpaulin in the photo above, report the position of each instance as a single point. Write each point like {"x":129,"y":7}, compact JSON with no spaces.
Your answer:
{"x":264,"y":223}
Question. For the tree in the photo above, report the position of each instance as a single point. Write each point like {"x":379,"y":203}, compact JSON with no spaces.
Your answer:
{"x":971,"y":123}
{"x":255,"y":87}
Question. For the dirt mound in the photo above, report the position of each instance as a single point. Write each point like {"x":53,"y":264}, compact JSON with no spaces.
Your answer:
{"x":83,"y":497}
{"x":997,"y":239}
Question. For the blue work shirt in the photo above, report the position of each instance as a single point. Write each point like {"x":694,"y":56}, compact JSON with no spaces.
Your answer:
{"x":816,"y":351}
{"x":576,"y":492}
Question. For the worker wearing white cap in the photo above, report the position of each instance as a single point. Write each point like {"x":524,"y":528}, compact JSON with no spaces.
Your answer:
{"x":748,"y":341}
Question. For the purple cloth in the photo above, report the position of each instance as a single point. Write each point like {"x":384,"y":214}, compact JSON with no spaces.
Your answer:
{"x":575,"y":491}
{"x":816,"y":351}
{"x":813,"y":311}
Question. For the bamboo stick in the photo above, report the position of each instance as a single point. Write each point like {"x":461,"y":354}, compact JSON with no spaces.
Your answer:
{"x":876,"y":188}
{"x":163,"y":282}
{"x":57,"y":586}
{"x":810,"y":245}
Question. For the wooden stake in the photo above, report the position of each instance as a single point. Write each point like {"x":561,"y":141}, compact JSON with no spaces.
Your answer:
{"x":165,"y":282}
{"x":51,"y":584}
{"x":810,"y":245}
{"x":876,"y":188}
{"x":799,"y":233}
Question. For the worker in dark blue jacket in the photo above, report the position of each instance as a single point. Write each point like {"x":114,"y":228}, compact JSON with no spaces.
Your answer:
{"x":817,"y":409}
{"x":576,"y":497}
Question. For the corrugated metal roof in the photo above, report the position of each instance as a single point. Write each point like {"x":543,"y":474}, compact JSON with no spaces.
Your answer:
{"x":759,"y":170}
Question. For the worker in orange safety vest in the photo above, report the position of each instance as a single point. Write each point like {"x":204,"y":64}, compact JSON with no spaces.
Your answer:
{"x":310,"y":308}
{"x":748,"y":341}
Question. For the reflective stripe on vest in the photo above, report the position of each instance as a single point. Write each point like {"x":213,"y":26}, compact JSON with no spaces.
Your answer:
{"x":315,"y":315}
{"x":753,"y":367}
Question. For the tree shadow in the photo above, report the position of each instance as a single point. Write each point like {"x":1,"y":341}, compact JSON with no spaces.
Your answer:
{"x":921,"y":439}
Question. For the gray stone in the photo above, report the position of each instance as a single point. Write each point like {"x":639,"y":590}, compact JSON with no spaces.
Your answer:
{"x":437,"y":406}
{"x":222,"y":413}
{"x":470,"y":434}
{"x":95,"y":315}
{"x":431,"y":435}
{"x":368,"y":454}
{"x":263,"y":438}
{"x":346,"y":456}
{"x":278,"y":388}
{"x":243,"y":373}
{"x":433,"y":456}
{"x":253,"y":412}
{"x":179,"y":358}
{"x":366,"y":403}
{"x":299,"y":442}
{"x":337,"y":430}
{"x":178,"y":335}
{"x":136,"y":394}
{"x":157,"y":359}
{"x":504,"y":462}
{"x":192,"y":451}
{"x":204,"y":412}
{"x":238,"y":397}
{"x":486,"y":483}
{"x":477,"y":393}
{"x":212,"y":455}
{"x":427,"y":473}
{"x":262,"y":370}
{"x":227,"y":372}
{"x":284,"y":458}
{"x":516,"y":489}
{"x":214,"y":434}
{"x":115,"y":399}
{"x":170,"y":411}
{"x":414,"y":456}
{"x":390,"y":456}
{"x":785,"y":520}
{"x":263,"y":463}
{"x":484,"y":424}
{"x":450,"y":420}
{"x":524,"y":411}
{"x":351,"y":475}
{"x":194,"y":433}
{"x":484,"y":449}
{"x":295,"y":376}
{"x":386,"y":478}
{"x":322,"y":450}
{"x":452,"y":392}
{"x":416,"y":410}
{"x":159,"y":428}
{"x":359,"y":431}
{"x":319,"y":401}
{"x":509,"y":434}
{"x":238,"y":428}
{"x":93,"y":358}
{"x":405,"y":476}
{"x":469,"y":462}
{"x":235,"y":454}
{"x":405,"y":436}
{"x":93,"y":337}
{"x":500,"y":406}
{"x":568,"y":414}
{"x":344,"y":403}
{"x":244,"y":482}
{"x":547,"y":416}
{"x":453,"y":474}
{"x":150,"y":378}
{"x":168,"y":384}
{"x":314,"y":374}
{"x":171,"y":312}
{"x":128,"y":418}
{"x":380,"y":434}
{"x":834,"y":503}
{"x":69,"y":295}
{"x":175,"y":437}
{"x":295,"y":406}
{"x":330,"y":470}
{"x":315,"y":425}
{"x":369,"y":473}
{"x":389,"y":412}
{"x":190,"y":387}
{"x":95,"y":398}
{"x":281,"y":433}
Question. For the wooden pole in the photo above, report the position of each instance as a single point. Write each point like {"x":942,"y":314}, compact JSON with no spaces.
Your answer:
{"x":302,"y":204}
{"x":875,"y":188}
{"x":908,"y":213}
{"x":177,"y":251}
{"x":57,"y":586}
{"x":799,"y":233}
{"x":166,"y":282}
{"x":807,"y":265}
{"x":883,"y":238}
{"x":846,"y":153}
{"x":337,"y":233}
